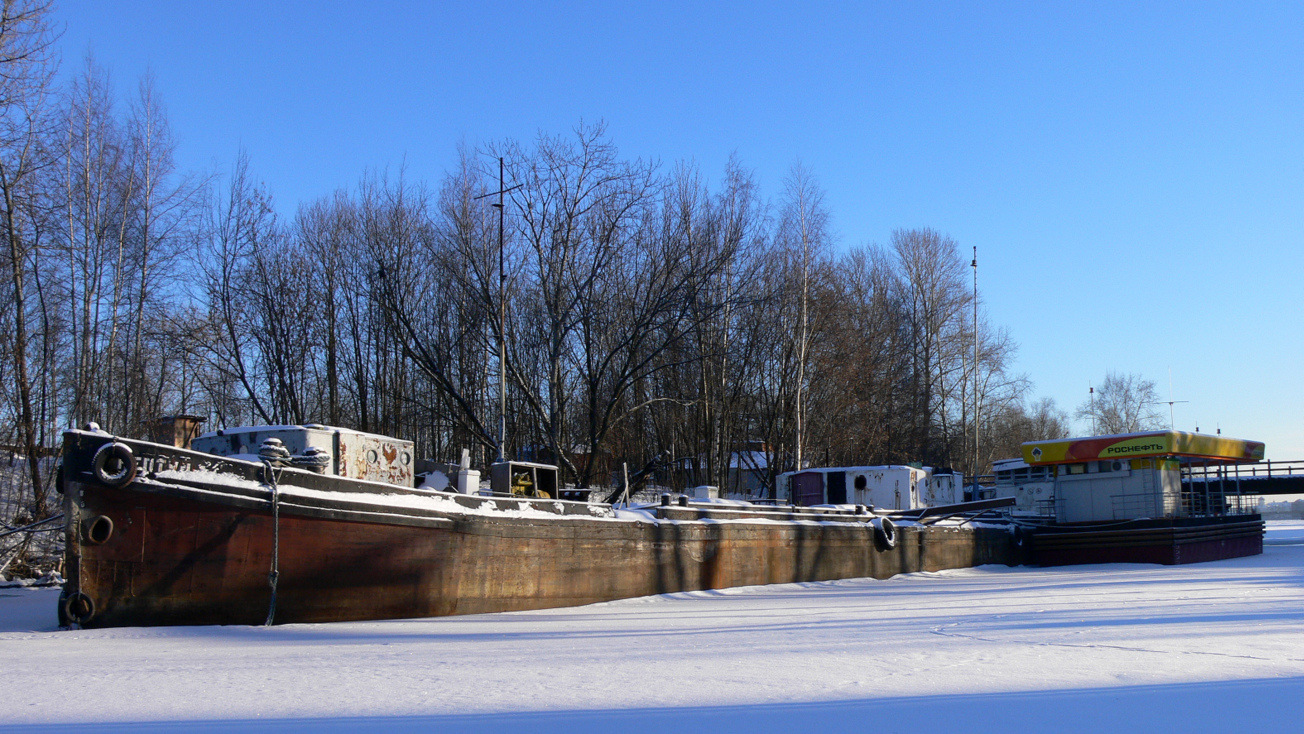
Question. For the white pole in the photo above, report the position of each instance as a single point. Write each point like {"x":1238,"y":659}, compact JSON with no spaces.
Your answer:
{"x":502,"y":327}
{"x":976,"y":453}
{"x":1091,"y":391}
{"x":624,"y":470}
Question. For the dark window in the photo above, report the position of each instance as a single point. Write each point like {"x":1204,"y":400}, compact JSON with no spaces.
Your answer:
{"x":837,"y":484}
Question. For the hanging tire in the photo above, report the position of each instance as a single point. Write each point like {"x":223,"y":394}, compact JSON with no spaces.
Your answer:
{"x":114,"y":465}
{"x":885,"y":533}
{"x":76,"y":608}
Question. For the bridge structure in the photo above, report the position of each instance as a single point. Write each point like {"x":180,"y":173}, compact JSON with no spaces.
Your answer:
{"x":1256,"y":478}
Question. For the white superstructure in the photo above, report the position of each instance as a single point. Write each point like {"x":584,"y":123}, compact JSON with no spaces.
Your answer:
{"x":890,"y":487}
{"x":347,"y":453}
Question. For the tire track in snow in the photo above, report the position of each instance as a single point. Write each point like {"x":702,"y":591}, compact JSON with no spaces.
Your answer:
{"x":942,"y":631}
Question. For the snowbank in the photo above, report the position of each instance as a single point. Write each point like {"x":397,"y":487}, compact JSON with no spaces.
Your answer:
{"x":1206,"y":647}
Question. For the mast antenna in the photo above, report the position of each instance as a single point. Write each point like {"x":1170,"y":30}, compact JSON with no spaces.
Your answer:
{"x":1172,"y":423}
{"x":502,"y":314}
{"x":976,"y":453}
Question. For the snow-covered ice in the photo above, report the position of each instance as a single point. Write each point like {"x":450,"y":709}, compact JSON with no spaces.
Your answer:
{"x":1123,"y":648}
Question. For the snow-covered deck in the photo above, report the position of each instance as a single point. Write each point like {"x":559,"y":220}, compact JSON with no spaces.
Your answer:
{"x":1206,"y":647}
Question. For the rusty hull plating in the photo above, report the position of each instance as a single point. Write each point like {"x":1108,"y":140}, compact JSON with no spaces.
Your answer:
{"x":189,"y":537}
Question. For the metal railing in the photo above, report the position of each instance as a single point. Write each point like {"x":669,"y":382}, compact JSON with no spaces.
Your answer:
{"x":1132,"y":505}
{"x":1046,"y":508}
{"x":1189,"y":503}
{"x":1231,"y":472}
{"x":1213,"y":500}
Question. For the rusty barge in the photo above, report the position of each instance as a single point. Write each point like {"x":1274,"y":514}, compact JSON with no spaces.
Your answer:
{"x":163,"y":535}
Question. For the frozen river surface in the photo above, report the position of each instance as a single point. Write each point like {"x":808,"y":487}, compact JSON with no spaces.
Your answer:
{"x":1120,"y":648}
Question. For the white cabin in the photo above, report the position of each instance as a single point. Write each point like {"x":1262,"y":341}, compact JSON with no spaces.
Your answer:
{"x":895,"y":487}
{"x":1032,"y":487}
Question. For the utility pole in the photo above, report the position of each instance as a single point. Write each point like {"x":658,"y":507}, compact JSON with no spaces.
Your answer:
{"x":502,"y":315}
{"x":976,"y":454}
{"x":1091,"y":395}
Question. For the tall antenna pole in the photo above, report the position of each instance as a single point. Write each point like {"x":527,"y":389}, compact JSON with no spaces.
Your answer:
{"x":976,"y":454}
{"x":502,"y":314}
{"x":1172,"y":422}
{"x":502,"y":324}
{"x":1091,"y":395}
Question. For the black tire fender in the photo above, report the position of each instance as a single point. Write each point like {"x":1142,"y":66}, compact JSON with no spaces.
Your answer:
{"x":885,"y":533}
{"x":114,"y":465}
{"x":76,"y":608}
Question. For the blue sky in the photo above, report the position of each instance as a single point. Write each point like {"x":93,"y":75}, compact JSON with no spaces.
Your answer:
{"x":1132,"y":176}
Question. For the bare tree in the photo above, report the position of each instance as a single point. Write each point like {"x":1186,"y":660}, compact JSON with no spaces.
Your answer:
{"x":440,"y":303}
{"x":649,"y":314}
{"x":322,"y":231}
{"x":240,"y":224}
{"x":935,"y":300}
{"x":804,"y":227}
{"x":1124,"y":403}
{"x":635,"y":318}
{"x":577,"y":206}
{"x":163,"y":225}
{"x":98,"y":185}
{"x":723,"y":360}
{"x":26,"y":66}
{"x":1010,"y":427}
{"x":1000,"y":393}
{"x":861,"y":364}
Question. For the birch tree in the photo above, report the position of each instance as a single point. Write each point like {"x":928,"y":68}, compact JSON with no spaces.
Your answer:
{"x":805,"y":229}
{"x":26,"y":67}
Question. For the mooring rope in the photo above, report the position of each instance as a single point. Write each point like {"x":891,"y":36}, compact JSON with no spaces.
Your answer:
{"x":276,"y":539}
{"x":10,"y":530}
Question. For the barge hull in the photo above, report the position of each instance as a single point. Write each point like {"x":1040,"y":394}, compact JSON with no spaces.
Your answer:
{"x":1168,"y":541}
{"x":186,"y":553}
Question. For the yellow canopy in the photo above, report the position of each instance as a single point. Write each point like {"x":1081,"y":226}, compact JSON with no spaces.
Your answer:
{"x":1137,"y":445}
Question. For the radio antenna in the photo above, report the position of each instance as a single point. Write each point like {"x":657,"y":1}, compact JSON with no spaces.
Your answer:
{"x":502,"y":315}
{"x":1172,"y":424}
